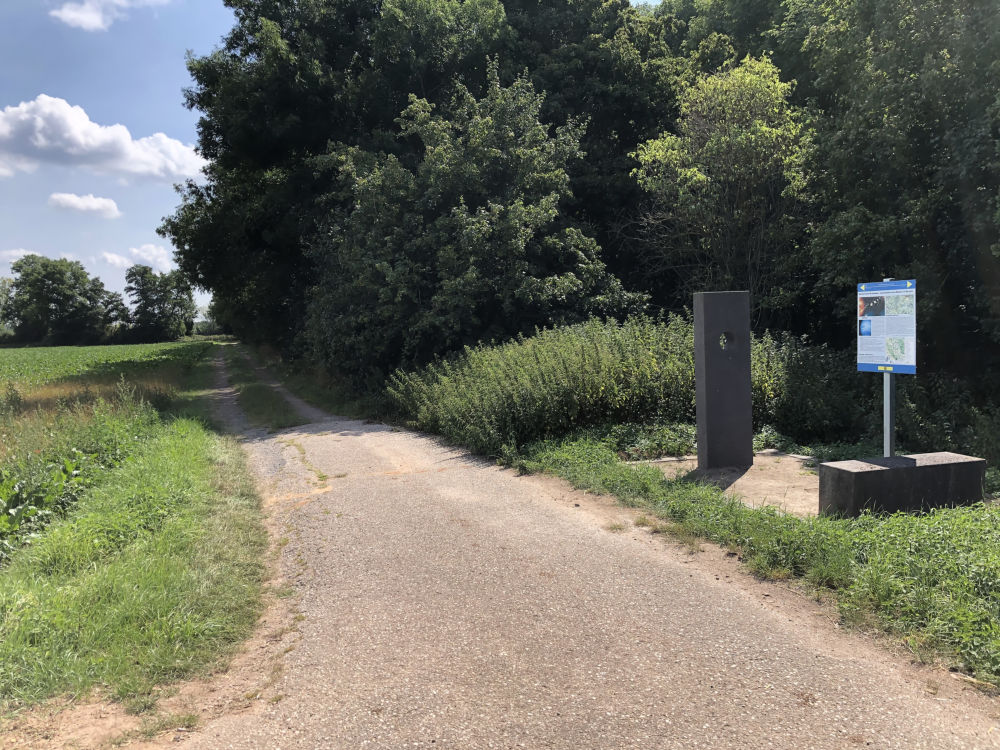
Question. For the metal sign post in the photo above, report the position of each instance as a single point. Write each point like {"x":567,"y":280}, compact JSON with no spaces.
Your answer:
{"x":888,"y":415}
{"x":887,"y":342}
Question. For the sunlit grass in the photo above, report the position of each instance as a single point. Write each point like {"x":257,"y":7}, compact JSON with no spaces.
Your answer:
{"x":145,"y":544}
{"x":152,"y":575}
{"x":263,"y":404}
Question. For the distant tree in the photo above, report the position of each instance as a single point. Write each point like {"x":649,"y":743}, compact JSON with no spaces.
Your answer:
{"x":57,"y":302}
{"x":6,"y":293}
{"x":727,"y":190}
{"x":220,"y":315}
{"x":164,"y":308}
{"x":465,"y":244}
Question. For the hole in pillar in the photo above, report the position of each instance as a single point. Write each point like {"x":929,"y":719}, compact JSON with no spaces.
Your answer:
{"x":725,"y":340}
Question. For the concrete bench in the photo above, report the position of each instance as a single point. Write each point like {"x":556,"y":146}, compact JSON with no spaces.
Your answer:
{"x":910,"y":483}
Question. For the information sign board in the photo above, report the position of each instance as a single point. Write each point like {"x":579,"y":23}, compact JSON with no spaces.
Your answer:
{"x":887,"y":326}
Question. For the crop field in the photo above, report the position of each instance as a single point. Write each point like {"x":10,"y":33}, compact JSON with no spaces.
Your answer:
{"x":40,"y":365}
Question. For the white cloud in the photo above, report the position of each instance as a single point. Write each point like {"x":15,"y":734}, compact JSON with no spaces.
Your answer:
{"x":52,"y":130}
{"x":156,"y":256}
{"x":104,"y":207}
{"x":97,"y":15}
{"x":118,"y":261}
{"x":9,"y":256}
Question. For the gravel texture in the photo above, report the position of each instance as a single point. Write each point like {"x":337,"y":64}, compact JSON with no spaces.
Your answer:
{"x":446,"y":603}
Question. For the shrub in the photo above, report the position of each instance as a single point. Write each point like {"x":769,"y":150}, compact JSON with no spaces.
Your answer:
{"x":495,"y":398}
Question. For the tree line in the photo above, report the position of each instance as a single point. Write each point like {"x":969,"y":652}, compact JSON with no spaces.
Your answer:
{"x":390,"y":181}
{"x":55,"y":301}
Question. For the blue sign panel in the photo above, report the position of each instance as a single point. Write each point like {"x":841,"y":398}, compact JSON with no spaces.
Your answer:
{"x":887,"y":326}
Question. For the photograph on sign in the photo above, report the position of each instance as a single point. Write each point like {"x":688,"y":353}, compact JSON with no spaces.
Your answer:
{"x":887,"y":326}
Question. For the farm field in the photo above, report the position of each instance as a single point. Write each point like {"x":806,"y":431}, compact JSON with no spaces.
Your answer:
{"x":33,"y":366}
{"x":119,"y":508}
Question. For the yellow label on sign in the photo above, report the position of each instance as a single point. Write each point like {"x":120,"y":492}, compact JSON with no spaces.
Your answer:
{"x":884,"y":369}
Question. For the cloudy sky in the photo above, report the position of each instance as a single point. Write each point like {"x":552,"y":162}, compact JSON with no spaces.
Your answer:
{"x":93,"y":128}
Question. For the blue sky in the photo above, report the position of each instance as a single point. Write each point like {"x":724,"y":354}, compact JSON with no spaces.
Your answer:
{"x":93,"y":128}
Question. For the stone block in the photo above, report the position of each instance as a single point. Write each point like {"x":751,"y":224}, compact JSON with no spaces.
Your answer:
{"x":910,"y":483}
{"x":723,"y":397}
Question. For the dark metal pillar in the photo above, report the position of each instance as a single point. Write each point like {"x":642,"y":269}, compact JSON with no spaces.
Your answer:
{"x":722,"y":376}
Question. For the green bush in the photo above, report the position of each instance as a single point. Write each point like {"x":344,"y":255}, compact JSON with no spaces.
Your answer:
{"x":810,"y":393}
{"x":496,"y":398}
{"x":493,"y":398}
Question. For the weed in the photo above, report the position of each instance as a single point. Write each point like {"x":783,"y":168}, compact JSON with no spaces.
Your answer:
{"x":140,"y":704}
{"x":159,"y":724}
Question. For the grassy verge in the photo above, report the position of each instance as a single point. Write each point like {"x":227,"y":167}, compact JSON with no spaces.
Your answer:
{"x":77,"y":416}
{"x":148,"y":568}
{"x":263,"y":405}
{"x":152,"y":576}
{"x":932,"y":579}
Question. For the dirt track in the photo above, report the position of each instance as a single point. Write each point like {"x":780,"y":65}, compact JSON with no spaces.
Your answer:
{"x":445,"y":603}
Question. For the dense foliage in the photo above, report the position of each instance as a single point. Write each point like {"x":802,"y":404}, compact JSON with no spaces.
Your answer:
{"x":485,"y":253}
{"x":56,"y":302}
{"x":726,"y":193}
{"x":791,"y":148}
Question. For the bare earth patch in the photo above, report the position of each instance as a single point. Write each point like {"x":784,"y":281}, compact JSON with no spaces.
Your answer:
{"x":782,"y":480}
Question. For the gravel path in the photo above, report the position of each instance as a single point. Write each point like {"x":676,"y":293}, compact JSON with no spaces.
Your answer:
{"x":446,"y":603}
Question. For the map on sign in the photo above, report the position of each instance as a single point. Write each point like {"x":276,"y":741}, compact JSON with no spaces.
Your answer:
{"x":887,"y":326}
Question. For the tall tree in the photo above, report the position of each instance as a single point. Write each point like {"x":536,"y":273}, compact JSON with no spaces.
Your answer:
{"x":909,"y":156}
{"x":164,"y":308}
{"x":57,"y":302}
{"x":617,"y":69}
{"x":465,"y":244}
{"x":727,"y":191}
{"x":6,"y":293}
{"x":295,"y":85}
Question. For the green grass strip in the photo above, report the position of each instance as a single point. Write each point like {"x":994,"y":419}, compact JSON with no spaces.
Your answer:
{"x":153,"y":575}
{"x":263,"y":404}
{"x":933,"y":579}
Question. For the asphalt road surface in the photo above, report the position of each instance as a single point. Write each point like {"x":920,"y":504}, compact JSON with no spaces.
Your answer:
{"x":446,"y":603}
